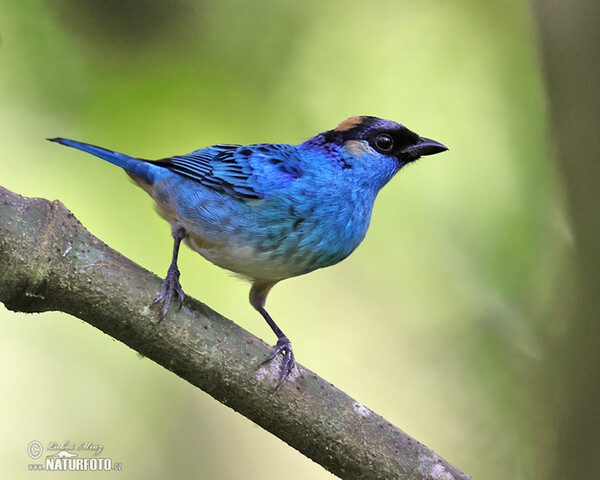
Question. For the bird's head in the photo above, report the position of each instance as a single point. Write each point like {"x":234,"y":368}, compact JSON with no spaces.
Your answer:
{"x":370,"y":144}
{"x":385,"y":137}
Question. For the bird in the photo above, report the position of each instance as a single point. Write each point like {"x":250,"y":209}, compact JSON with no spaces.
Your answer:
{"x":272,"y":211}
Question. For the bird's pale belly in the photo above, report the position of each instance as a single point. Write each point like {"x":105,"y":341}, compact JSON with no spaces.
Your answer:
{"x":254,"y":262}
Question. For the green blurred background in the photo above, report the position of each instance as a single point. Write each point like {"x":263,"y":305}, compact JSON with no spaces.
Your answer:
{"x":438,"y":321}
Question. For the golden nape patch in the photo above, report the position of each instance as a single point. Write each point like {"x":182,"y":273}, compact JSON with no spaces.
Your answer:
{"x":349,"y":123}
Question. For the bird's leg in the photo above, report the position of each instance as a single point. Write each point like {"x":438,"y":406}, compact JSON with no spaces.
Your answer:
{"x":171,"y":285}
{"x":258,"y":296}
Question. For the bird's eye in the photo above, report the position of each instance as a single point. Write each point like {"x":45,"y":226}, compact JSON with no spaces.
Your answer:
{"x":384,"y":143}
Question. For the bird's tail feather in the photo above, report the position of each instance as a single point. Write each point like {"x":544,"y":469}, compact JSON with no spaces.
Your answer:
{"x":145,"y":170}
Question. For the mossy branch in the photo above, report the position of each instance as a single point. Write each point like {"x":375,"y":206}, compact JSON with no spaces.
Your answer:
{"x":49,"y":261}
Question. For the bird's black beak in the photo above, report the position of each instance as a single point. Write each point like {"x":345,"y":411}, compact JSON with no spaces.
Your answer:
{"x":426,"y":146}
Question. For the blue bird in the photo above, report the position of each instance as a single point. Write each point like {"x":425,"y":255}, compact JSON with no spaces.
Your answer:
{"x":273,"y":211}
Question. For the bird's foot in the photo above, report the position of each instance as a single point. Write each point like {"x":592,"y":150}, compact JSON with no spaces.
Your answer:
{"x":283,"y":345}
{"x":169,"y":288}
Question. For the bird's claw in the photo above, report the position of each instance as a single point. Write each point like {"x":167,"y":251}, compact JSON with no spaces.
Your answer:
{"x":283,"y":345}
{"x":170,"y":286}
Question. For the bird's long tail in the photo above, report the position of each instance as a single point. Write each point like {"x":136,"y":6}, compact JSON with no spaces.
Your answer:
{"x":143,"y":169}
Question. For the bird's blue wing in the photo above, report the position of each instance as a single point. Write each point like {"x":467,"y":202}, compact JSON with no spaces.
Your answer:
{"x":252,"y":171}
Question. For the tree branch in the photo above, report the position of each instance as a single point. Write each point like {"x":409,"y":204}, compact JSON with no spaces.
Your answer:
{"x":51,"y":262}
